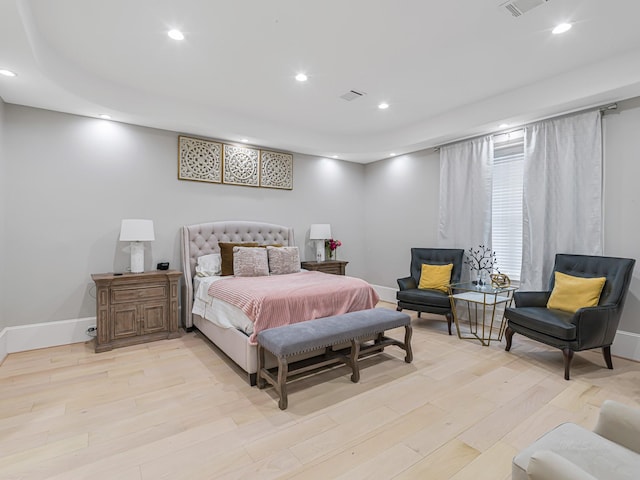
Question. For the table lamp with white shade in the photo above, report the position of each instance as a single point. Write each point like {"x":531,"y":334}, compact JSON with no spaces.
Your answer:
{"x":320,"y":232}
{"x":137,"y":231}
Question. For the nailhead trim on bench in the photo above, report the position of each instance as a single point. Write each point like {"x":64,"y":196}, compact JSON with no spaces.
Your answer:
{"x":290,"y":340}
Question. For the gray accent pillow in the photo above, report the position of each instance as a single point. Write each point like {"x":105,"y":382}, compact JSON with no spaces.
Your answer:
{"x":250,"y":262}
{"x":283,"y":260}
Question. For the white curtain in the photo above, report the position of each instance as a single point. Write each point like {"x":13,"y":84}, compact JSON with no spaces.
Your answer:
{"x":562,"y":199}
{"x":465,"y":194}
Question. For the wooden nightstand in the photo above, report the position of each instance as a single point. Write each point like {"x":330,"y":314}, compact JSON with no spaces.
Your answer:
{"x":135,"y":308}
{"x":336,"y":267}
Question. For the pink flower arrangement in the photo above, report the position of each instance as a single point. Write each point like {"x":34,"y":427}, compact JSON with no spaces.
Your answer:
{"x":332,"y":244}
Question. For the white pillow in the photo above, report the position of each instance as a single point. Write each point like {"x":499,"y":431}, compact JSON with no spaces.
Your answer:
{"x":209,"y":265}
{"x":250,"y":262}
{"x":283,"y":260}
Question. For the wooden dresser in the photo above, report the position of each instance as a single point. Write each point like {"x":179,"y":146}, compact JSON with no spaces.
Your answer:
{"x":135,"y":308}
{"x":337,"y":267}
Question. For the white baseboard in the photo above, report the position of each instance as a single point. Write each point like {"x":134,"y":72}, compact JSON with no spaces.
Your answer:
{"x":65,"y":332}
{"x":626,"y":344}
{"x":3,"y":344}
{"x":386,"y":294}
{"x":43,"y":335}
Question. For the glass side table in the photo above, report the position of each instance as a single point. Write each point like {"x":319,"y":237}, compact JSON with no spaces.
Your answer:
{"x":481,"y":301}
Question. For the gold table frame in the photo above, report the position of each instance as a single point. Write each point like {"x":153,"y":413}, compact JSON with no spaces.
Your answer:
{"x":482,"y":297}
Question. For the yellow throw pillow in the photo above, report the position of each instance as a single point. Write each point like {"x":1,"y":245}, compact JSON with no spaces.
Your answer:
{"x":435,"y":277}
{"x":573,"y":293}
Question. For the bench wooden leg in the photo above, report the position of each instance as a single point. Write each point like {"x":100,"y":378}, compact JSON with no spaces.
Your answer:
{"x":260,"y":378}
{"x":283,"y":370}
{"x":353,"y":360}
{"x":408,"y":331}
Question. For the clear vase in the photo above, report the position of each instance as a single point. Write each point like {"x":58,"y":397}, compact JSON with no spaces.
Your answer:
{"x":483,"y":278}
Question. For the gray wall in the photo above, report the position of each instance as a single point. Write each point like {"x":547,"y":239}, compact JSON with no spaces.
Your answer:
{"x":401,"y":197}
{"x":622,"y":197}
{"x":3,"y":251}
{"x":402,"y":206}
{"x":74,"y":178}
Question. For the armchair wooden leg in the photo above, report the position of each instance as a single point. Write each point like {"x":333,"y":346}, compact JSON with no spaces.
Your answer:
{"x":419,"y":314}
{"x":606,"y":353}
{"x":508,"y":335}
{"x":567,"y":353}
{"x":399,"y":308}
{"x":449,"y":319}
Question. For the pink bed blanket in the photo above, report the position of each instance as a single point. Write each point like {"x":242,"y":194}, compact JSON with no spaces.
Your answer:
{"x":283,"y":299}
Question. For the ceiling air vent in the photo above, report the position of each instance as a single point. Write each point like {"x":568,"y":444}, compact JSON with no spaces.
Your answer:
{"x":516,"y":8}
{"x":352,"y":95}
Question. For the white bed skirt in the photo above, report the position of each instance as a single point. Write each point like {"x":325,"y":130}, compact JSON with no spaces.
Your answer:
{"x":232,"y":342}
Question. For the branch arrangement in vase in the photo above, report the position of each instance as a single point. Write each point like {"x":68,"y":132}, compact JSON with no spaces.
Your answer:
{"x":481,"y":259}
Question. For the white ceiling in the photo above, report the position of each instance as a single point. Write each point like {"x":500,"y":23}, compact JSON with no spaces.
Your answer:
{"x":448,"y":68}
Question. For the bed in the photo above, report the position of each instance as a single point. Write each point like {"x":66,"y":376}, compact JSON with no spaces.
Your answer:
{"x":227,"y":326}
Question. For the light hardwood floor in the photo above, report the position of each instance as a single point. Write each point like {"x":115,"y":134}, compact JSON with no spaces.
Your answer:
{"x":178,"y":409}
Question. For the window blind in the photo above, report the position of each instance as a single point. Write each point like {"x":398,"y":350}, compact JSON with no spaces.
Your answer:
{"x":508,"y":171}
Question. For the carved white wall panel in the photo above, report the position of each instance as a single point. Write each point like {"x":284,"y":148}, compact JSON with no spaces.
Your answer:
{"x":199,"y":160}
{"x":276,"y":170}
{"x":241,"y":166}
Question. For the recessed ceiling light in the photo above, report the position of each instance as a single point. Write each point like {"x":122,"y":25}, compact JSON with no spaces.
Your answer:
{"x":563,"y":27}
{"x":244,"y":140}
{"x":383,"y":106}
{"x":334,"y":156}
{"x":175,"y":34}
{"x":105,"y":116}
{"x":8,"y":73}
{"x":301,"y":77}
{"x":503,"y":125}
{"x":392,"y":154}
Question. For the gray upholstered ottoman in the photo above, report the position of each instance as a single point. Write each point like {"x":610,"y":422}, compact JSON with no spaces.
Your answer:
{"x":289,"y":340}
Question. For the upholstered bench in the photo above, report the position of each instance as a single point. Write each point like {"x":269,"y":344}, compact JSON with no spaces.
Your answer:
{"x":290,"y":340}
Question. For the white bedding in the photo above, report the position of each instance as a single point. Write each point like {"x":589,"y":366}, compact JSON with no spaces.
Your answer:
{"x":217,"y":311}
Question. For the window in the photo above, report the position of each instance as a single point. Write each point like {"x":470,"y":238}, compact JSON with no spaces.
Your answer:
{"x":506,"y":210}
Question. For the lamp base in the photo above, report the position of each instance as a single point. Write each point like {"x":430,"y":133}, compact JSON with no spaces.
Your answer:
{"x":137,"y":257}
{"x":320,"y":250}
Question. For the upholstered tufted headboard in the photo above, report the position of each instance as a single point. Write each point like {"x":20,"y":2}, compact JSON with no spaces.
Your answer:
{"x":203,"y":238}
